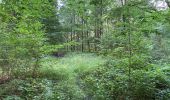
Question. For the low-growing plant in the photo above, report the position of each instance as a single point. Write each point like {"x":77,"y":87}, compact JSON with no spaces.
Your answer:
{"x":111,"y":82}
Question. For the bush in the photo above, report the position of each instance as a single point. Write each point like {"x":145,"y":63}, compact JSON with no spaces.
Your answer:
{"x":66,"y":90}
{"x":34,"y":89}
{"x":111,"y":82}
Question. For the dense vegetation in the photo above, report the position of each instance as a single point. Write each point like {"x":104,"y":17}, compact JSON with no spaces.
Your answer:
{"x":84,"y":50}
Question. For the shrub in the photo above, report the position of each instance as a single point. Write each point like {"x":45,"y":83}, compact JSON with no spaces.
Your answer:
{"x":112,"y":82}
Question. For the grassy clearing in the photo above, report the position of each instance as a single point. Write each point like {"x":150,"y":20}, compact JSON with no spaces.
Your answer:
{"x":70,"y":65}
{"x":59,"y":78}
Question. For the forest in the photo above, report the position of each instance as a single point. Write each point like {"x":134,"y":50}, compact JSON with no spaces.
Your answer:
{"x":84,"y":49}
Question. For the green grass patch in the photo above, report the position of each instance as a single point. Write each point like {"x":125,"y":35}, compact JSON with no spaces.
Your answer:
{"x":70,"y":65}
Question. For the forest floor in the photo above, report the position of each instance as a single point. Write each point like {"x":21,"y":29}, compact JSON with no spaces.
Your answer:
{"x":54,"y":73}
{"x":84,"y":76}
{"x":70,"y":65}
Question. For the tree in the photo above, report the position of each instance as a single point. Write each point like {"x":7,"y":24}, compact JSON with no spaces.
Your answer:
{"x":24,"y":34}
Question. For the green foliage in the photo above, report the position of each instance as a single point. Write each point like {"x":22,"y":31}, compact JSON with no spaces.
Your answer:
{"x":35,"y":89}
{"x":132,"y":36}
{"x":91,"y":78}
{"x":111,"y":82}
{"x":22,"y":34}
{"x":63,"y":79}
{"x":68,"y":90}
{"x":53,"y":28}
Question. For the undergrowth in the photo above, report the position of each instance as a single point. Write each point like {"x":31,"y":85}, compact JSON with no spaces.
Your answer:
{"x":58,"y":79}
{"x":90,"y":77}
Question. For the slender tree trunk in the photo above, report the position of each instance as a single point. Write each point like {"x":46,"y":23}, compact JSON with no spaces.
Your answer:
{"x":71,"y":37}
{"x":82,"y":35}
{"x":88,"y":41}
{"x":67,"y":48}
{"x":74,"y":32}
{"x":101,"y":14}
{"x":96,"y":29}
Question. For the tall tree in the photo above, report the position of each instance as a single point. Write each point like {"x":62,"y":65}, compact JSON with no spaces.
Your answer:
{"x":24,"y":32}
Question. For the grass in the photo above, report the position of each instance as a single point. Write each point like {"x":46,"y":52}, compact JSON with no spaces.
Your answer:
{"x":70,"y":65}
{"x":59,"y":78}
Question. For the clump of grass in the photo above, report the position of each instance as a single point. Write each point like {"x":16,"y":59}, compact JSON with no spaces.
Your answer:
{"x":70,"y":65}
{"x":67,"y":72}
